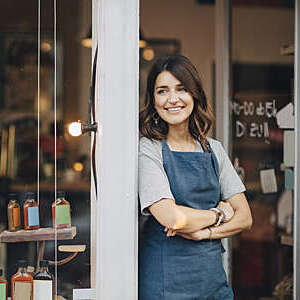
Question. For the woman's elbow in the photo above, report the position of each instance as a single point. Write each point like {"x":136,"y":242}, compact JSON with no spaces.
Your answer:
{"x":248,"y":221}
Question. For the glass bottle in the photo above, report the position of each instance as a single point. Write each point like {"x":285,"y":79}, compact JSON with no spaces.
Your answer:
{"x":31,"y":212}
{"x":3,"y":287}
{"x":22,"y":283}
{"x":13,"y":213}
{"x":61,"y":211}
{"x":43,"y":283}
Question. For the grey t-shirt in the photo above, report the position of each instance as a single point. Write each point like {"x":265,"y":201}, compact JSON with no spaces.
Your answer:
{"x":153,"y":180}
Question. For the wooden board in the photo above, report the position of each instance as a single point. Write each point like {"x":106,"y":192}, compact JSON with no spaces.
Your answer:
{"x":72,"y":248}
{"x":42,"y":234}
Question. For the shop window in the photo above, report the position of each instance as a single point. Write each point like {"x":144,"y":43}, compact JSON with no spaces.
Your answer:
{"x":39,"y":159}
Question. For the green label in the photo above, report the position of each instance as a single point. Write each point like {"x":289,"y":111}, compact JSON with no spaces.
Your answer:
{"x":2,"y":291}
{"x":62,"y":215}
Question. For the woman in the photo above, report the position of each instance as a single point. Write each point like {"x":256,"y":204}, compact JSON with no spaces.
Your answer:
{"x":182,"y":176}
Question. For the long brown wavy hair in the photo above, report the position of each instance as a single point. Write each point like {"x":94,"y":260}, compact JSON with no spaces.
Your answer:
{"x":201,"y":118}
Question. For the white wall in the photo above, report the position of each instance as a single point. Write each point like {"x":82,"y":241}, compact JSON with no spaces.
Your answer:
{"x":258,"y":32}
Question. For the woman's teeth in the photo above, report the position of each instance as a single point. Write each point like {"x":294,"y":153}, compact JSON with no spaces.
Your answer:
{"x":174,"y":109}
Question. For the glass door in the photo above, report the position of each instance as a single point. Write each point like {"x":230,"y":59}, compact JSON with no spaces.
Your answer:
{"x":263,"y":143}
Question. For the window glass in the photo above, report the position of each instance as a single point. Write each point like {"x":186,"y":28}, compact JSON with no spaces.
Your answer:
{"x":43,"y":88}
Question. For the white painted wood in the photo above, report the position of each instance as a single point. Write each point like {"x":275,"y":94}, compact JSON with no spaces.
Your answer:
{"x":117,"y":23}
{"x":223,"y":55}
{"x":297,"y":158}
{"x":93,"y":192}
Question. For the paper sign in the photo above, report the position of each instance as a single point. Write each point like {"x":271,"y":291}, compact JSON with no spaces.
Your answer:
{"x":42,"y":290}
{"x":22,"y":291}
{"x":2,"y":291}
{"x":62,"y":214}
{"x":289,"y":148}
{"x":289,"y":179}
{"x":33,"y":216}
{"x":285,"y":118}
{"x":268,"y":181}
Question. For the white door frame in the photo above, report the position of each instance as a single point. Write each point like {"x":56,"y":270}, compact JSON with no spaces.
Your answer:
{"x":115,"y":211}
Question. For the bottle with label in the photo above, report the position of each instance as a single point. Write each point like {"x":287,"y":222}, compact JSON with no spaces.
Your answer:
{"x":22,"y":283}
{"x":13,"y":213}
{"x":3,"y":287}
{"x":43,"y":283}
{"x":31,"y":212}
{"x":61,"y":211}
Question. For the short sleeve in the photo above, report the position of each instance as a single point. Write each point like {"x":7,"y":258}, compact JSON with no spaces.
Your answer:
{"x":230,"y":182}
{"x":153,"y":181}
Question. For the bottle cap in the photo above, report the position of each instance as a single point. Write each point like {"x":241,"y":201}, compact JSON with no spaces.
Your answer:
{"x":22,"y":263}
{"x":1,"y":272}
{"x":30,"y":195}
{"x":12,"y":196}
{"x":60,"y":194}
{"x":44,"y":263}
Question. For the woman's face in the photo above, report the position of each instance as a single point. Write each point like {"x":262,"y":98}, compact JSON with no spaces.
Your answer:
{"x":172,"y":101}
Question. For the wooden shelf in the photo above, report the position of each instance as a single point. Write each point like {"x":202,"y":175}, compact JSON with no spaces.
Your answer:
{"x":287,"y":240}
{"x":48,"y":186}
{"x":42,"y":234}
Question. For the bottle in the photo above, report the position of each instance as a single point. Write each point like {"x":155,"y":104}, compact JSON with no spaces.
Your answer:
{"x":3,"y":287}
{"x":13,"y":213}
{"x":43,"y":283}
{"x":22,"y":283}
{"x":61,"y":211}
{"x":31,"y":212}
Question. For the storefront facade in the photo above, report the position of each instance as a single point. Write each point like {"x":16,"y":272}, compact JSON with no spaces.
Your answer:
{"x":232,"y":43}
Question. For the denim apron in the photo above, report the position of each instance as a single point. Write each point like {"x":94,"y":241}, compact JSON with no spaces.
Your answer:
{"x":174,"y":268}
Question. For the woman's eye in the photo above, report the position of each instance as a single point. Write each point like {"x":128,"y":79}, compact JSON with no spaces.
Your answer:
{"x":182,"y":89}
{"x":161,"y":91}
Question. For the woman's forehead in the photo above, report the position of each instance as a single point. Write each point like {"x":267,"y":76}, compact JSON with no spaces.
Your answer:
{"x":166,"y":78}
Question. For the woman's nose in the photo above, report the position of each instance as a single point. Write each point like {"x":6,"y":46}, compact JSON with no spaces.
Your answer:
{"x":173,"y":97}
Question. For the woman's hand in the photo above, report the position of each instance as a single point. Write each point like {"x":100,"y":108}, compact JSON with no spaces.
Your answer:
{"x":196,"y":236}
{"x":227,"y":209}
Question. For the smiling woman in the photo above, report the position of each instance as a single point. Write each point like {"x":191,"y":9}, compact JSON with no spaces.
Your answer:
{"x":183,"y":178}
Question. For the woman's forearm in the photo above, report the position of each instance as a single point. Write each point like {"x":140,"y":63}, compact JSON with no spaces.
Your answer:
{"x":183,"y":218}
{"x":190,"y":219}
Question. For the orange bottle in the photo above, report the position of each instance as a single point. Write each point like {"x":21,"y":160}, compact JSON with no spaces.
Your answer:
{"x":3,"y":287}
{"x":22,"y":283}
{"x":13,"y":213}
{"x":61,"y":211}
{"x":31,"y":212}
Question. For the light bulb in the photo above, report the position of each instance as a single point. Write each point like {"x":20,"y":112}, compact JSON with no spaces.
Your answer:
{"x":75,"y":129}
{"x":148,"y":54}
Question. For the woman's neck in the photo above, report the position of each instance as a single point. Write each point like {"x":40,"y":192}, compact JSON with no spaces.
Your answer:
{"x":180,"y":139}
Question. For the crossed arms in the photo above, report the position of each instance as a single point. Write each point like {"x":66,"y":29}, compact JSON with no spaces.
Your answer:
{"x":194,"y":223}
